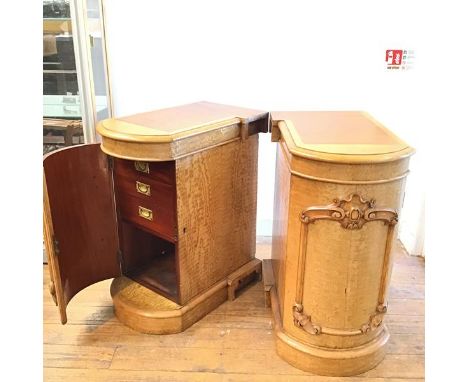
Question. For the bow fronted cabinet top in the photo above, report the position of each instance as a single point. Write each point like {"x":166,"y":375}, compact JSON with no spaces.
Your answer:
{"x":167,"y":134}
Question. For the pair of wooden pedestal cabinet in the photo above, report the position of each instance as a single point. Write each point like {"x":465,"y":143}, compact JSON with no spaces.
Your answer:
{"x":166,"y":205}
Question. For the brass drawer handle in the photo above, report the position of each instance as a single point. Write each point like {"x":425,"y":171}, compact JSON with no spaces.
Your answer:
{"x":145,"y":213}
{"x":142,"y":166}
{"x":143,"y":188}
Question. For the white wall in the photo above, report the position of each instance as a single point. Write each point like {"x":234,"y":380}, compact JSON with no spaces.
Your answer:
{"x":274,"y":56}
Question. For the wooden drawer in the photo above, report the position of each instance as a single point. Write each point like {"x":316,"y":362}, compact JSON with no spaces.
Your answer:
{"x":140,"y":186}
{"x":154,"y":214}
{"x":147,"y":197}
{"x":163,"y":172}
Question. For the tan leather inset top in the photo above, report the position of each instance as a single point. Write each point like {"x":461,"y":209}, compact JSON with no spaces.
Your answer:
{"x":169,"y":124}
{"x":317,"y":133}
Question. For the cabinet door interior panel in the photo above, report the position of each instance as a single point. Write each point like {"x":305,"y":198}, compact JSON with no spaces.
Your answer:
{"x":83,"y":223}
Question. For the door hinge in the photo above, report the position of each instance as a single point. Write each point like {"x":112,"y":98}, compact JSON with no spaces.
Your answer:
{"x":119,"y":259}
{"x":56,"y":247}
{"x":110,"y":161}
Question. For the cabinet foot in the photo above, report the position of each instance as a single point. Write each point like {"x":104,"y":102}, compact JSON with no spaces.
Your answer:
{"x":327,"y":361}
{"x":245,"y":274}
{"x":148,"y":312}
{"x":268,"y":281}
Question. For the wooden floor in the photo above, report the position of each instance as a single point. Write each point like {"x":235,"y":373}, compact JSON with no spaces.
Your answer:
{"x":233,"y":343}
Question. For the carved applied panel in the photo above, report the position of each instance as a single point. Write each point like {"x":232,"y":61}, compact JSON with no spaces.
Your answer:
{"x":352,"y":213}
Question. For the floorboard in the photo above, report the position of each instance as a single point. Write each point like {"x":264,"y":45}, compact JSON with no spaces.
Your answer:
{"x":233,"y":343}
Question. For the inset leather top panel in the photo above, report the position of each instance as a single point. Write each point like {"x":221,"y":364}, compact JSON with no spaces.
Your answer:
{"x":337,"y":133}
{"x":173,"y":133}
{"x":166,"y":125}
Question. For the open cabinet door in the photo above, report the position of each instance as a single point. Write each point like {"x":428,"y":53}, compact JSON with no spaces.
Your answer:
{"x":80,"y":225}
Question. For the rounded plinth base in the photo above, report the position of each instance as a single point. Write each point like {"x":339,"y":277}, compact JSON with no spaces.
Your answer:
{"x":321,"y":360}
{"x":332,"y":362}
{"x":148,"y":312}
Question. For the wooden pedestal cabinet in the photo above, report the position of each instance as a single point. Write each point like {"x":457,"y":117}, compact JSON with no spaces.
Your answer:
{"x":339,"y":188}
{"x":166,"y":205}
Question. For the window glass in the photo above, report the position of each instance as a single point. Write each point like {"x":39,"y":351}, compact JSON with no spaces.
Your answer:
{"x":62,"y":119}
{"x":98,"y":62}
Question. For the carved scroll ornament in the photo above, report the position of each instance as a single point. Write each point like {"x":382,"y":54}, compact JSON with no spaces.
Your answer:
{"x":304,"y":322}
{"x":352,"y":213}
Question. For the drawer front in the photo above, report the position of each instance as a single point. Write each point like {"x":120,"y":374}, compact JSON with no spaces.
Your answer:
{"x":140,"y":186}
{"x":163,"y":172}
{"x":146,"y":195}
{"x":156,"y":214}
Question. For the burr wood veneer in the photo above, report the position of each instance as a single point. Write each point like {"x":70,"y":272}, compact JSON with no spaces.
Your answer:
{"x":339,"y":187}
{"x":166,"y":205}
